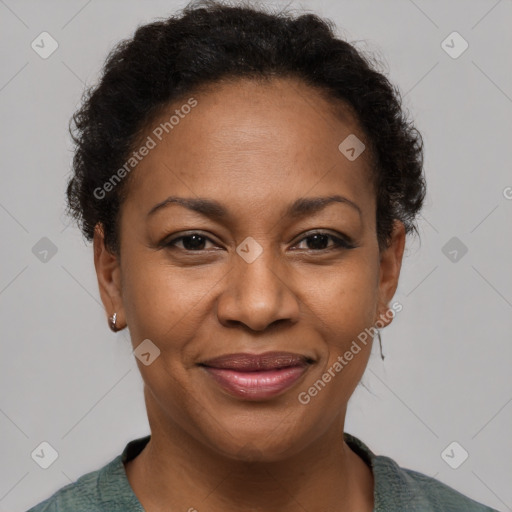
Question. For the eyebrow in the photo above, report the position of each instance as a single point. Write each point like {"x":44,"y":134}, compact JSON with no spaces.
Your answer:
{"x":213,"y":209}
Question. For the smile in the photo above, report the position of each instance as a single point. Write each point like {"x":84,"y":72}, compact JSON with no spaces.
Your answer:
{"x":257,"y":377}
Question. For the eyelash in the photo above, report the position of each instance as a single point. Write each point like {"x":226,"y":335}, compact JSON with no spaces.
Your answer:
{"x":339,"y":243}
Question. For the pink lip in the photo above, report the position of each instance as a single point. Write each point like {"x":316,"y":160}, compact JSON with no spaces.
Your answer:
{"x":257,"y":376}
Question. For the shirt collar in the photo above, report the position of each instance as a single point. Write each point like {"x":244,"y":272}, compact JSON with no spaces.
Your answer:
{"x":392,"y":486}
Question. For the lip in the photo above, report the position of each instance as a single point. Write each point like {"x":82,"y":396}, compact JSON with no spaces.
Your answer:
{"x":257,"y":376}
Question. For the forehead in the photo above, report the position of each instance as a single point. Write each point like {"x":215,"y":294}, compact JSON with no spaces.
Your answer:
{"x":250,"y":142}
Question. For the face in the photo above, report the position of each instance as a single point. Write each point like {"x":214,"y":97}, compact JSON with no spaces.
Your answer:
{"x":254,"y":264}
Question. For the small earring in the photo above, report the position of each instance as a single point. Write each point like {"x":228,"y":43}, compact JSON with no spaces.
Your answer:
{"x":380,"y":344}
{"x":112,"y":322}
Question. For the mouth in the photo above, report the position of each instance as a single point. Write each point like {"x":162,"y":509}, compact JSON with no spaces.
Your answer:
{"x":257,"y":376}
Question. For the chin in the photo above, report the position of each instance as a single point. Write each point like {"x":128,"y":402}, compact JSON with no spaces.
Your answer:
{"x":271,"y":441}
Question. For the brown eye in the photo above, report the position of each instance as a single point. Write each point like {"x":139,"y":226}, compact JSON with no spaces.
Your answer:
{"x":320,"y":241}
{"x":192,"y":242}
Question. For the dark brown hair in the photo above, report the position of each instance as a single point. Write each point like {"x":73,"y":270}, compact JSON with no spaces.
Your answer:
{"x":209,"y":41}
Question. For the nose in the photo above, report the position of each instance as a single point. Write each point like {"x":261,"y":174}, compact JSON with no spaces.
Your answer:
{"x":258,"y":294}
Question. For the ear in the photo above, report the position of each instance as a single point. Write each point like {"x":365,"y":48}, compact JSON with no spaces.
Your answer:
{"x":390,"y":265}
{"x":108,"y":272}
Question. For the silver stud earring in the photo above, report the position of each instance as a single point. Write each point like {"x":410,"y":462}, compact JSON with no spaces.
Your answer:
{"x":112,"y":322}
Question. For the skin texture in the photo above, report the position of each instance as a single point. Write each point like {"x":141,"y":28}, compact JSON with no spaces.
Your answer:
{"x":256,"y":148}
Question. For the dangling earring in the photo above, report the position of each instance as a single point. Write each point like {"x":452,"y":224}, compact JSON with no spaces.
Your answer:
{"x":380,"y":344}
{"x":112,"y":322}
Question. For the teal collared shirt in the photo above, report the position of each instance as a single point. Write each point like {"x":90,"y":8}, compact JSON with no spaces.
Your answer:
{"x":396,"y":489}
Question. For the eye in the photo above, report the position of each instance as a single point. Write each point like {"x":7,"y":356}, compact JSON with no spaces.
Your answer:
{"x":190,"y":242}
{"x":319,"y":239}
{"x":316,"y":241}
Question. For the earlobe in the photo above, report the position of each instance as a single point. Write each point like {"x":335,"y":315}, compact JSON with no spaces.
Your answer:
{"x":108,"y":273}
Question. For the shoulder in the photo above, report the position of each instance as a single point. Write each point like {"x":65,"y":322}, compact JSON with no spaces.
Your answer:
{"x":419,"y":492}
{"x":96,"y":491}
{"x":78,"y":495}
{"x":104,"y":490}
{"x":397,"y":488}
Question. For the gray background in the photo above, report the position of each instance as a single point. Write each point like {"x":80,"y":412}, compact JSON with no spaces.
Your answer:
{"x":66,"y":379}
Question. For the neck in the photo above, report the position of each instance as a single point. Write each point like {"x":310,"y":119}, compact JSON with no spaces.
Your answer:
{"x":176,"y":472}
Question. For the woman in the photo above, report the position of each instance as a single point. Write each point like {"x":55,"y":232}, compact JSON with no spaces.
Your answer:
{"x":248,"y":182}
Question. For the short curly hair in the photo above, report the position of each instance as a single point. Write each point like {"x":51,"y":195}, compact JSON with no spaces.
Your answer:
{"x":207,"y":42}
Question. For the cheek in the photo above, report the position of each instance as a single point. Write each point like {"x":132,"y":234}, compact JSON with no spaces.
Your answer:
{"x":343,"y":308}
{"x":344,"y":299}
{"x":160,"y":300}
